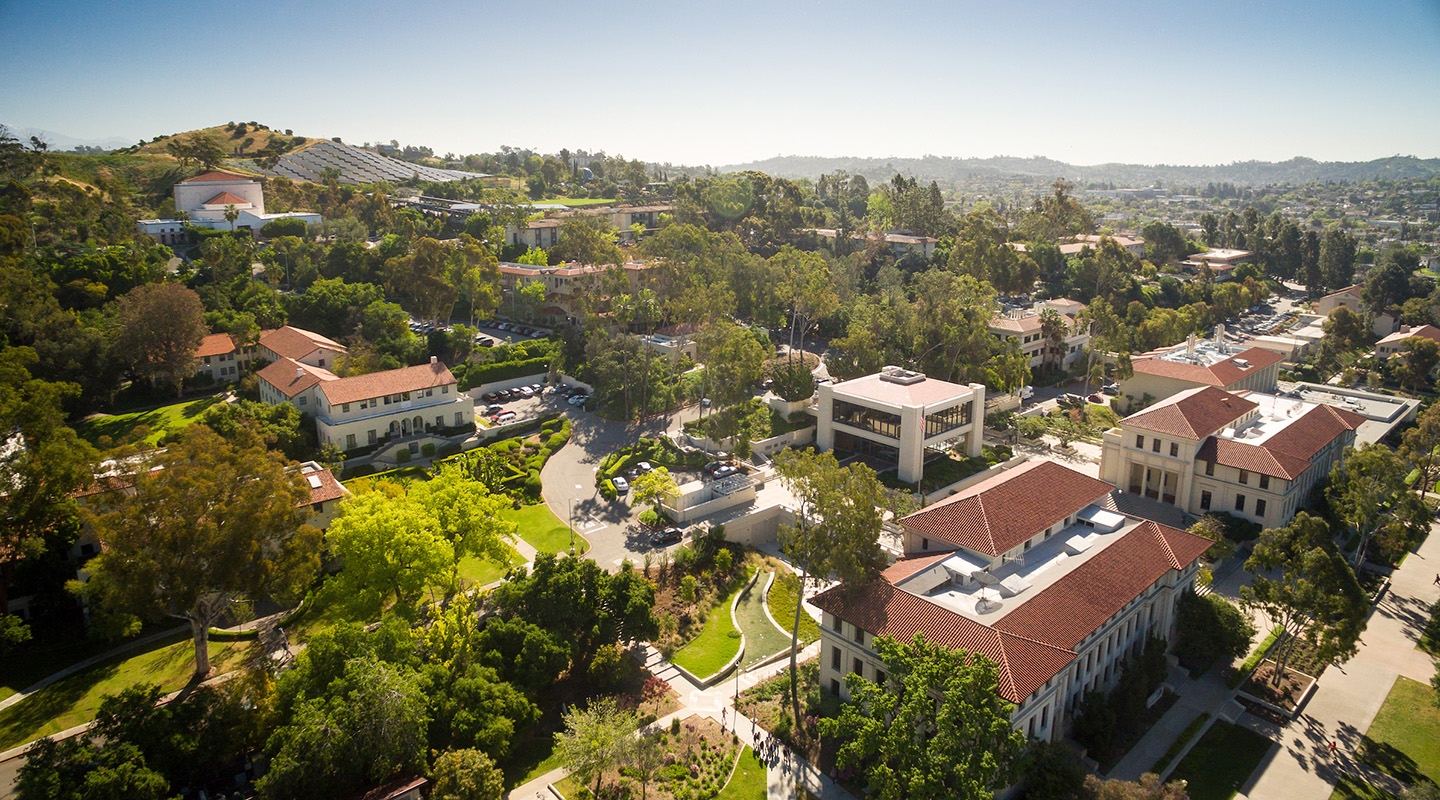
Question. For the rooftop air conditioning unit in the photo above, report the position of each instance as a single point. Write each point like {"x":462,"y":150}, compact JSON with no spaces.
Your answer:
{"x":901,"y":376}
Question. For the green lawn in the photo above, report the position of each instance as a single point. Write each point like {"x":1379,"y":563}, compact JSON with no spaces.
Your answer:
{"x":1350,"y":788}
{"x":160,"y":421}
{"x":1220,"y":763}
{"x":530,"y":760}
{"x":782,"y":599}
{"x":544,"y":531}
{"x":748,"y":782}
{"x":21,"y":668}
{"x":1404,"y":739}
{"x":74,"y":700}
{"x":717,"y":643}
{"x":481,"y":572}
{"x":761,"y":637}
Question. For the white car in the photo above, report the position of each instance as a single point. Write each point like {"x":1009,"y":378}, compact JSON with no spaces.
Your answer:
{"x":578,"y":400}
{"x":527,"y":391}
{"x":621,"y":485}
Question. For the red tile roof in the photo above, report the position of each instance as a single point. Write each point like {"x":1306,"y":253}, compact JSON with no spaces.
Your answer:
{"x":1192,"y":414}
{"x":1424,"y":331}
{"x":1223,"y":373}
{"x":1076,"y":605}
{"x":226,"y":199}
{"x":215,"y":176}
{"x":215,"y":344}
{"x":1002,"y":512}
{"x":1023,"y":664}
{"x":1286,"y":453}
{"x":329,"y":489}
{"x":907,"y":567}
{"x":283,"y":376}
{"x":392,"y":381}
{"x":297,"y":343}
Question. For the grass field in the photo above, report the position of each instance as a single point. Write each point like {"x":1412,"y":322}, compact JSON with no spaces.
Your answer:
{"x":1351,"y":788}
{"x":160,"y":421}
{"x":74,"y":700}
{"x":782,"y":599}
{"x":21,"y":669}
{"x":544,"y":531}
{"x":530,"y":760}
{"x":480,"y":572}
{"x":1404,"y":739}
{"x":748,"y":782}
{"x":1220,"y":763}
{"x":717,"y":643}
{"x":761,"y":637}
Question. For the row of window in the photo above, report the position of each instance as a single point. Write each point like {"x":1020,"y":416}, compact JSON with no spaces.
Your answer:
{"x":1155,"y":445}
{"x":1244,"y":476}
{"x":388,"y":399}
{"x":1207,"y":498}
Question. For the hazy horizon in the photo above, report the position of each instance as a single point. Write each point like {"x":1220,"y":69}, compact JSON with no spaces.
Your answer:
{"x":697,"y":84}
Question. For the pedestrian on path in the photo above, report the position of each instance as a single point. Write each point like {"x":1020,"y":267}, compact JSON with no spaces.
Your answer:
{"x":1436,"y":582}
{"x":1332,"y":749}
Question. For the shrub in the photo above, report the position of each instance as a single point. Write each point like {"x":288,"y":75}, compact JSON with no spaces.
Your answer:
{"x":1212,"y":628}
{"x":402,"y":457}
{"x":427,"y":449}
{"x":607,"y":489}
{"x":649,"y":517}
{"x":448,"y":449}
{"x":675,"y":726}
{"x":1430,"y":635}
{"x":724,"y":561}
{"x":688,"y":586}
{"x":283,"y":227}
{"x":532,"y":484}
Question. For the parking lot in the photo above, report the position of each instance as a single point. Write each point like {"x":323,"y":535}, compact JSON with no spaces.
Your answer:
{"x":511,"y":332}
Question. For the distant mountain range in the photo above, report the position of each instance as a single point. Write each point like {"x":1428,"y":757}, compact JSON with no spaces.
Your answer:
{"x":59,"y":141}
{"x":958,"y":170}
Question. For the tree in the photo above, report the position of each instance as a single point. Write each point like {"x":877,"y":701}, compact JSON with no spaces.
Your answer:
{"x":587,"y":240}
{"x":1344,"y":329}
{"x":231,"y":214}
{"x":159,"y":327}
{"x":389,"y":547}
{"x":466,"y":775}
{"x":935,"y":728}
{"x":1420,"y":447}
{"x":1053,"y":329}
{"x":805,"y":282}
{"x":1421,"y":357}
{"x":1210,"y":527}
{"x":836,"y":530}
{"x":1369,"y":491}
{"x":595,"y":739}
{"x":468,"y":516}
{"x":1049,"y":771}
{"x":1212,"y":628}
{"x":213,"y":523}
{"x":646,"y":757}
{"x":733,"y":361}
{"x":367,"y":727}
{"x":42,"y":462}
{"x":655,"y":487}
{"x":1337,"y":259}
{"x":1314,"y":595}
{"x":281,"y":426}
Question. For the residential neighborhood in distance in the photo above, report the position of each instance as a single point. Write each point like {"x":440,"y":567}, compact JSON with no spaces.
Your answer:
{"x":377,"y":432}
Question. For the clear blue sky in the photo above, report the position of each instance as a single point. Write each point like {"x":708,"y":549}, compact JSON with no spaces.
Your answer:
{"x":733,"y":80}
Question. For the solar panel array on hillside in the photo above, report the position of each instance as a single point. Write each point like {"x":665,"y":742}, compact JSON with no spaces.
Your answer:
{"x":357,"y":166}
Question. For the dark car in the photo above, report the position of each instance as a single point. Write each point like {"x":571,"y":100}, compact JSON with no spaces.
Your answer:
{"x":1111,"y":389}
{"x":1069,"y":399}
{"x":710,"y":468}
{"x":488,"y":397}
{"x":667,"y":536}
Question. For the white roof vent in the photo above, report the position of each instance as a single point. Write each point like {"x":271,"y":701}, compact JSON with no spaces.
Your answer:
{"x":901,"y":376}
{"x":1240,"y":362}
{"x":313,"y":480}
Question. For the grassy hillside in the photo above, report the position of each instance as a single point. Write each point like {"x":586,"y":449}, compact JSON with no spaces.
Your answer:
{"x":229,"y":139}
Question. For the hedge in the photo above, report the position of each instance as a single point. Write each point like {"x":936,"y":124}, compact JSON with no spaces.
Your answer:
{"x":607,"y":489}
{"x":403,"y":456}
{"x":503,"y":371}
{"x":428,"y":449}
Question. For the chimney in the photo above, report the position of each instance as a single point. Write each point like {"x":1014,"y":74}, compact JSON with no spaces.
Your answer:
{"x":434,"y":360}
{"x":299,"y":372}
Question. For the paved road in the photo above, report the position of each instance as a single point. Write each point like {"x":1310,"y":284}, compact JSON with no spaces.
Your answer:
{"x":568,"y":482}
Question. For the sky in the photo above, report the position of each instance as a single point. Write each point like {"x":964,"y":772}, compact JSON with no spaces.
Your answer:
{"x":730,"y":81}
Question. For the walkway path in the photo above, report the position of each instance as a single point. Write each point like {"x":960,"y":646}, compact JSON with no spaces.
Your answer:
{"x":1350,"y":695}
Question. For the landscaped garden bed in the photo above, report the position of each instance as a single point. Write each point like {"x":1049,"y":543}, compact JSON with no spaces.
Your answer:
{"x":1284,"y":693}
{"x":700,"y":759}
{"x":1221,"y":762}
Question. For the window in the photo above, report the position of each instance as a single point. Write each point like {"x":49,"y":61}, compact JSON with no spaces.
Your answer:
{"x":859,"y":668}
{"x":1205,"y":498}
{"x":1139,"y":442}
{"x":1240,"y":502}
{"x":429,"y":392}
{"x":1210,"y":468}
{"x":1044,"y":717}
{"x":1264,"y":481}
{"x":207,"y":361}
{"x":879,"y":677}
{"x":440,"y":420}
{"x":949,"y":419}
{"x":881,"y":422}
{"x":459,"y":418}
{"x":1155,"y":446}
{"x":317,"y":507}
{"x":1174,"y":449}
{"x":370,"y":436}
{"x":303,"y":400}
{"x":321,"y":364}
{"x":349,"y":441}
{"x":859,"y":634}
{"x":835,"y":659}
{"x":835,"y":688}
{"x":924,"y":544}
{"x":345,"y":408}
{"x":364,"y":404}
{"x":445,"y":389}
{"x":1259,"y":507}
{"x":387,"y":399}
{"x":405,"y":396}
{"x":1244,"y":477}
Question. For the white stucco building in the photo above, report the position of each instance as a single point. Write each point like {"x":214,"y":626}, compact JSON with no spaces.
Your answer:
{"x":894,"y":417}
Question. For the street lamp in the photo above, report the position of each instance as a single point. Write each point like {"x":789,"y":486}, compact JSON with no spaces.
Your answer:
{"x":573,"y":498}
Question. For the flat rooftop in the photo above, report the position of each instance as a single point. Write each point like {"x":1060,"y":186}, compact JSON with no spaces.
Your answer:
{"x":916,"y":390}
{"x":1383,"y":413}
{"x":1042,"y":565}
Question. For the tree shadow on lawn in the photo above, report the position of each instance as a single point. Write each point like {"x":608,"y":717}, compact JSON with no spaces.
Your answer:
{"x":199,"y":407}
{"x":29,"y":718}
{"x":1390,"y":760}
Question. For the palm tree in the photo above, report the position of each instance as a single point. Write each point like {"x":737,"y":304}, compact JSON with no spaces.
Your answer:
{"x":1053,"y":330}
{"x":231,"y":214}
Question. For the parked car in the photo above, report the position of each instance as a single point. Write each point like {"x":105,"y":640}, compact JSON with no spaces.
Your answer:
{"x":538,"y":335}
{"x":1096,"y":398}
{"x":725,"y":471}
{"x":579,"y":400}
{"x":1111,"y":389}
{"x":1069,"y":399}
{"x":668,"y":536}
{"x":621,"y":485}
{"x":526,"y":391}
{"x":645,"y":466}
{"x":492,"y":410}
{"x":484,"y":341}
{"x":505,"y":416}
{"x":488,"y":396}
{"x":537,"y":388}
{"x":709,"y":469}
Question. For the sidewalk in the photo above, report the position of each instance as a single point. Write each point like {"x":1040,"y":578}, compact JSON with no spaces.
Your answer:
{"x":1349,"y":696}
{"x":1209,"y":693}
